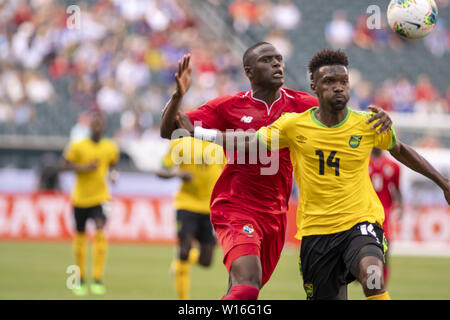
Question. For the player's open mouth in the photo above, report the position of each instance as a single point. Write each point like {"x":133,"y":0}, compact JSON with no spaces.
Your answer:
{"x":278,"y":74}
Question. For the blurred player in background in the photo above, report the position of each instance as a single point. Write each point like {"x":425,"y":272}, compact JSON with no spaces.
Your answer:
{"x":248,"y":210}
{"x":385,"y":176}
{"x":199,"y":169}
{"x":49,"y":173}
{"x":91,"y":159}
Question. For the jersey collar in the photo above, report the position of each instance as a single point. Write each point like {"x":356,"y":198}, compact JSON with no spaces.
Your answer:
{"x":283,"y":93}
{"x":313,"y":117}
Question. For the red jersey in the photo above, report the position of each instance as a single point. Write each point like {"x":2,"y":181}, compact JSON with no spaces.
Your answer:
{"x":385,"y":175}
{"x":241,"y":186}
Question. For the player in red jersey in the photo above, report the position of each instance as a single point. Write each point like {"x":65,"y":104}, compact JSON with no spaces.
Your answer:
{"x":385,"y":176}
{"x":248,"y":209}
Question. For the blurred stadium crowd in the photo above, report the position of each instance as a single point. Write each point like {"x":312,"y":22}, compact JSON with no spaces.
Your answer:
{"x":122,"y":60}
{"x":279,"y":20}
{"x":123,"y":57}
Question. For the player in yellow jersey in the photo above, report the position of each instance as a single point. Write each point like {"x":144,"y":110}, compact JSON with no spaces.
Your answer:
{"x":339,"y":215}
{"x":199,"y":165}
{"x":91,"y":159}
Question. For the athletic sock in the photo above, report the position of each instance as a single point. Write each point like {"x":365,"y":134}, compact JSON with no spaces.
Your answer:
{"x":381,"y":296}
{"x":194,"y":254}
{"x":79,"y":247}
{"x":182,"y":274}
{"x":242,"y":292}
{"x":99,"y":250}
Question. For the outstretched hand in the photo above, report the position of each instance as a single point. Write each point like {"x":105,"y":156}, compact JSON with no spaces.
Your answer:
{"x":183,"y":76}
{"x":383,"y":119}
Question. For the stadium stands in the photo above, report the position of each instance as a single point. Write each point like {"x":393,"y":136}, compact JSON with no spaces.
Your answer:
{"x":123,"y":57}
{"x":385,"y":60}
{"x":402,"y":76}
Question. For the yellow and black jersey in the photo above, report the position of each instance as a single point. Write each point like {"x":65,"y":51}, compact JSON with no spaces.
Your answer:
{"x":91,"y":188}
{"x":205,"y":161}
{"x":331,"y":169}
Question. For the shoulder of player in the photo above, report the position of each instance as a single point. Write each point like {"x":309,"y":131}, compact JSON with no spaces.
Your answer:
{"x":304,"y":97}
{"x":225,"y":100}
{"x":109,"y":142}
{"x":78,"y":143}
{"x":290,"y":118}
{"x":360,"y":117}
{"x":222,"y":103}
{"x":359,"y":113}
{"x":77,"y":146}
{"x":291,"y":93}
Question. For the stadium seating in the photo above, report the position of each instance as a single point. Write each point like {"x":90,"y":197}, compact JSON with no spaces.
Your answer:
{"x":159,"y":46}
{"x":374,"y":65}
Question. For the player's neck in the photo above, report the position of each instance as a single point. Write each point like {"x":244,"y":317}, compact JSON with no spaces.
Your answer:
{"x":330,"y":118}
{"x":96,"y":139}
{"x":267,"y":95}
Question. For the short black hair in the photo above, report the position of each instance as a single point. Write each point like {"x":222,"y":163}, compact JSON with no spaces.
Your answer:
{"x":327,"y":57}
{"x":247,"y":52}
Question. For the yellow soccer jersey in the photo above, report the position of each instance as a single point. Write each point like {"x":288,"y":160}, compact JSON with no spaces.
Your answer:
{"x":91,"y":188}
{"x":205,"y":161}
{"x":331,"y":169}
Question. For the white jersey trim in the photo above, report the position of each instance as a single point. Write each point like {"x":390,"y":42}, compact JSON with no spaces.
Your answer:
{"x":267,"y":107}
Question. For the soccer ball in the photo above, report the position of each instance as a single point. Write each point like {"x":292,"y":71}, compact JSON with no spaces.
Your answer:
{"x":412,"y":19}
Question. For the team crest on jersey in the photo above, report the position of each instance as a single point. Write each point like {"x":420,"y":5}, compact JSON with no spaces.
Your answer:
{"x":354,"y":141}
{"x":309,"y":290}
{"x":248,"y":230}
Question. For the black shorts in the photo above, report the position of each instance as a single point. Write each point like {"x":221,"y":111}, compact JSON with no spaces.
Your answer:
{"x":197,"y":224}
{"x":83,"y":214}
{"x":326,"y":260}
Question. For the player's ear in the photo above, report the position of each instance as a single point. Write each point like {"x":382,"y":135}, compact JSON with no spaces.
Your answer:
{"x":313,"y":86}
{"x":248,"y":71}
{"x":313,"y":83}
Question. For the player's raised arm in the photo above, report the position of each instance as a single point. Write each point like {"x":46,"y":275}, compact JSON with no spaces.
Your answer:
{"x":410,"y":158}
{"x":243,"y":141}
{"x":249,"y":141}
{"x":183,"y":79}
{"x":236,"y":140}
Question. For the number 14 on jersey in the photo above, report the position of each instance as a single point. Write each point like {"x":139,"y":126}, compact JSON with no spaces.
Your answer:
{"x":332,"y":162}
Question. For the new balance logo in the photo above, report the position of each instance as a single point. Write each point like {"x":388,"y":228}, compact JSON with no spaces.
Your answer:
{"x":247,"y":119}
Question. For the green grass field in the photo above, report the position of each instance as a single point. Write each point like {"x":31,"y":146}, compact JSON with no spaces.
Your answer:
{"x":38,"y":271}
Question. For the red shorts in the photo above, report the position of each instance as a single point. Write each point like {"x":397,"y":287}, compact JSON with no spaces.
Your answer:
{"x":241,"y":233}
